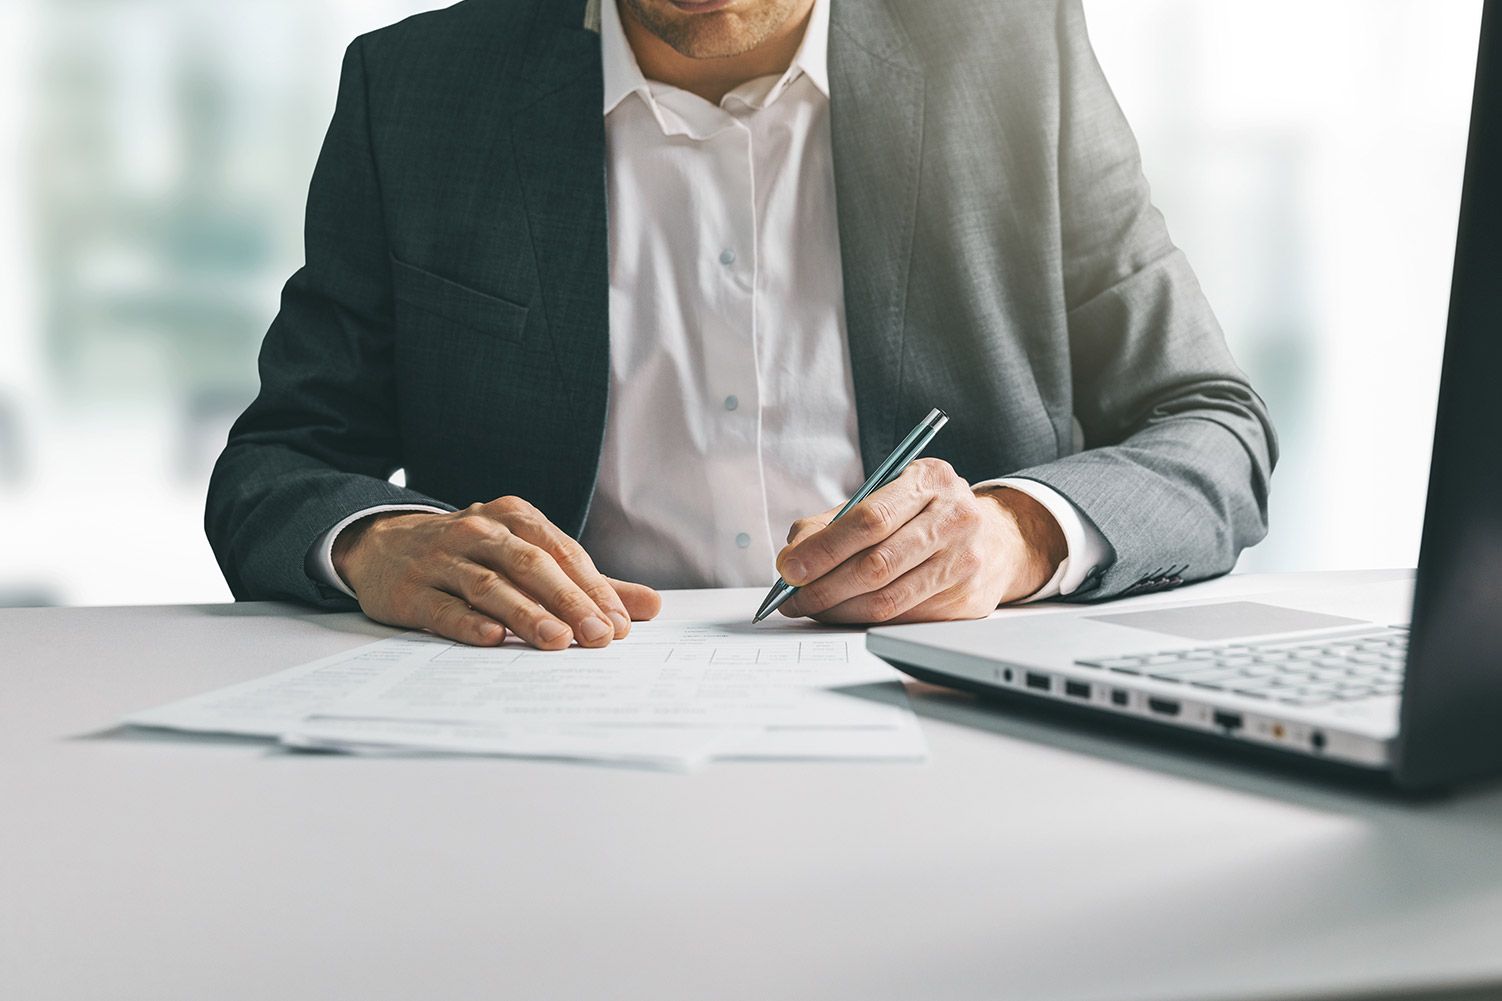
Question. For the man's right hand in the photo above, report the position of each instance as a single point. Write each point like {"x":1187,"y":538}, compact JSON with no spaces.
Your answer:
{"x":474,"y":574}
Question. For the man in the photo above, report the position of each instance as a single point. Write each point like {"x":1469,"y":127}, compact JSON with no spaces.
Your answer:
{"x":626,"y":288}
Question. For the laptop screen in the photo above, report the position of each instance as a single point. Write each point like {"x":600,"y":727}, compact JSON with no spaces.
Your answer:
{"x":1453,"y":688}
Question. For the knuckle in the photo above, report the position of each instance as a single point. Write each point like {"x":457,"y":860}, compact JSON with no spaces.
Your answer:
{"x":877,"y":566}
{"x":936,"y":472}
{"x":883,"y":605}
{"x":528,"y":560}
{"x":446,"y":614}
{"x":603,"y":595}
{"x":472,"y":525}
{"x":571,"y":556}
{"x":523,"y":523}
{"x":572,"y":604}
{"x":512,"y":505}
{"x":482,"y":587}
{"x":876,"y":516}
{"x":526,"y":618}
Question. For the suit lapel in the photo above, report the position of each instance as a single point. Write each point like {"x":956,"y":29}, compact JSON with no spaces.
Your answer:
{"x":558,"y":136}
{"x":876,"y":121}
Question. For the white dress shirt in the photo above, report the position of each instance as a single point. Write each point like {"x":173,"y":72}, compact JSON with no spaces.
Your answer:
{"x":732,"y":408}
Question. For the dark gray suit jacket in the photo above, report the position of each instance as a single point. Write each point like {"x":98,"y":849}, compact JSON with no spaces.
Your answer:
{"x":1001,"y":260}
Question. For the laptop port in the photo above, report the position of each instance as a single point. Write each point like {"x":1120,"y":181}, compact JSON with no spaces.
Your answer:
{"x":1076,"y":689}
{"x":1038,"y":681}
{"x":1163,"y":707}
{"x":1120,"y":696}
{"x":1318,"y":740}
{"x":1228,"y":721}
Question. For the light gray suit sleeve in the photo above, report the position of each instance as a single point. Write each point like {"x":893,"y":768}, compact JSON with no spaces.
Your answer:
{"x":1178,"y":448}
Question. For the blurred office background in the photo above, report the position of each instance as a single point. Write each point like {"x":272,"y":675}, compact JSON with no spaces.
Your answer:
{"x":154,"y":158}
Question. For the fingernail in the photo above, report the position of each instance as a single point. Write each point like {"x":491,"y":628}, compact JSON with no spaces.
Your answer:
{"x":552,"y":632}
{"x":622,"y":624}
{"x":593,"y":629}
{"x":792,"y":571}
{"x":491,"y":633}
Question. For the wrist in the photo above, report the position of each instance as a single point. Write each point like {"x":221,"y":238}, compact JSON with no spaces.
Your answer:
{"x":351,"y":543}
{"x":1032,"y":539}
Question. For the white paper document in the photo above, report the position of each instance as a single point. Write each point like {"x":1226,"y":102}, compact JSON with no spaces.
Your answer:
{"x":680,"y":749}
{"x":671,"y":692}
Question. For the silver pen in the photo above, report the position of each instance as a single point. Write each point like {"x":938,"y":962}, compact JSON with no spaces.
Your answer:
{"x":905,"y":452}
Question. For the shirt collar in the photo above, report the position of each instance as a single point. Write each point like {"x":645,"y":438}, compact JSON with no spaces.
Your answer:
{"x":623,"y":76}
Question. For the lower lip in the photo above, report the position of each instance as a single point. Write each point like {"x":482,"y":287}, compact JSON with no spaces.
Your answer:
{"x":708,"y":6}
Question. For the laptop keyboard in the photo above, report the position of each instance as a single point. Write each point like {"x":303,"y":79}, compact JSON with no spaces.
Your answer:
{"x":1342,"y":668}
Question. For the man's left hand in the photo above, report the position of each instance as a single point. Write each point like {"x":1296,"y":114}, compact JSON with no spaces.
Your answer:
{"x":924,"y":547}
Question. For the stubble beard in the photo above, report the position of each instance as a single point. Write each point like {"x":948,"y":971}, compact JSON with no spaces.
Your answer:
{"x":720,"y":35}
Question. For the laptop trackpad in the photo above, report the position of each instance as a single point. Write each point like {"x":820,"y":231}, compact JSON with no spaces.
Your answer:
{"x":1226,"y":620}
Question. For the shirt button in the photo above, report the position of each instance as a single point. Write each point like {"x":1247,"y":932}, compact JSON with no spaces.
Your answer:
{"x":727,"y":257}
{"x":732,"y":402}
{"x":743,"y":540}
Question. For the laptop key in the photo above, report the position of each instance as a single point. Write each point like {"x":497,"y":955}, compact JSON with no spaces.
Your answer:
{"x":1242,"y":683}
{"x":1180,"y":670}
{"x":1213,"y":672}
{"x":1106,"y":662}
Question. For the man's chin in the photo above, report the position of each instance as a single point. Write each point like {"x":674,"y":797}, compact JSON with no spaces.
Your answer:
{"x":709,"y":36}
{"x":713,"y":29}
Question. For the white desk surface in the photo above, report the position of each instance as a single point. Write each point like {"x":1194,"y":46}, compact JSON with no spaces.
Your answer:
{"x":1026,"y":859}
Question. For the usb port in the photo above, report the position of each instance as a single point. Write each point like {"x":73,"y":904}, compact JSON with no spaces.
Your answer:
{"x":1164,"y":707}
{"x":1228,"y":721}
{"x":1038,"y":681}
{"x":1077,"y":689}
{"x":1120,"y":696}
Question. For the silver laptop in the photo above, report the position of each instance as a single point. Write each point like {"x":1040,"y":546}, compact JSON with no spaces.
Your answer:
{"x":1318,"y":671}
{"x":1328,"y":672}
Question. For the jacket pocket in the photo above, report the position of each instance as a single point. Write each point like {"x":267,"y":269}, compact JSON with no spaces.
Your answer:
{"x":438,"y":296}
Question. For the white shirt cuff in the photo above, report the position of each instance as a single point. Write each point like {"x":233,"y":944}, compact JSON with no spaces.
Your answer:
{"x":1088,"y":549}
{"x":320,"y":560}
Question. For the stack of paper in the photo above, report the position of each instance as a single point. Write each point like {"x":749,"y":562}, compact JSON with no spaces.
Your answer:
{"x":674,"y":694}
